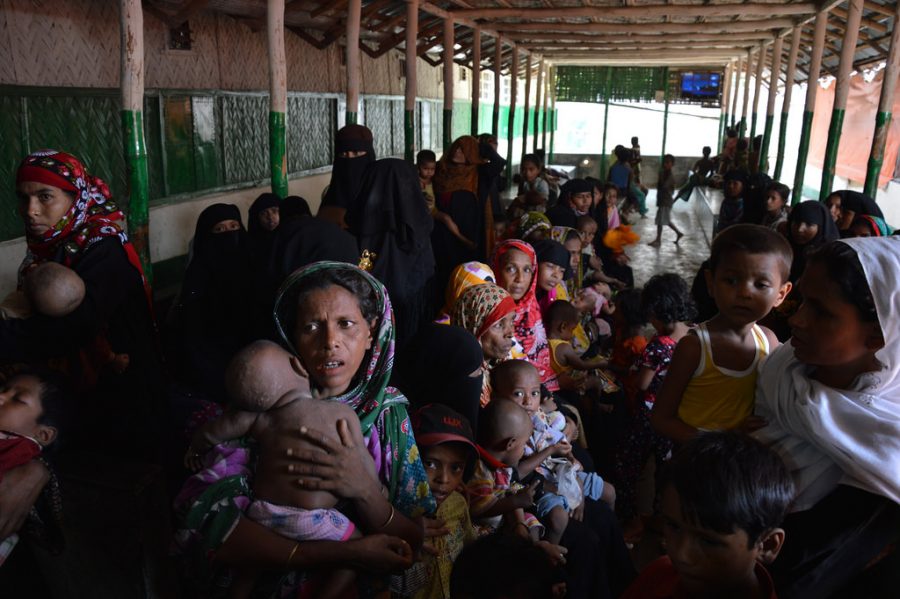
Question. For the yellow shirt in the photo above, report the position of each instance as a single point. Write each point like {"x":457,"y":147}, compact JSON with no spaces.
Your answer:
{"x":554,"y":363}
{"x":454,"y":512}
{"x":718,"y":398}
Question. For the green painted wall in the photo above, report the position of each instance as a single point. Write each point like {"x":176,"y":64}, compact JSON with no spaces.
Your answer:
{"x":198,"y":142}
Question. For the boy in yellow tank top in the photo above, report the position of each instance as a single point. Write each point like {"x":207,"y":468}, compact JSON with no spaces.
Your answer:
{"x":560,"y":321}
{"x":712,"y":378}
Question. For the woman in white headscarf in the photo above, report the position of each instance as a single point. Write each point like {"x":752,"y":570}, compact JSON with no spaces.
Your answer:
{"x":831,"y":398}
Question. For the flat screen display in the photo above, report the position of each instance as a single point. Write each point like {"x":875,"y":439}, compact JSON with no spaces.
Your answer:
{"x":700,"y":84}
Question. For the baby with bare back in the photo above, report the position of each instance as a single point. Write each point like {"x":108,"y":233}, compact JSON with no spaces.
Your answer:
{"x":50,"y":289}
{"x":270,"y":402}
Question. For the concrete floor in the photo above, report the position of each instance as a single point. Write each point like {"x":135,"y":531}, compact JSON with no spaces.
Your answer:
{"x":684,"y":258}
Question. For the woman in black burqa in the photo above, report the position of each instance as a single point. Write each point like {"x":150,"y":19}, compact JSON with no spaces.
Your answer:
{"x":353,"y":152}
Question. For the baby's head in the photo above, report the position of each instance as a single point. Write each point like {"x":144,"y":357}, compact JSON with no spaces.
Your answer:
{"x":504,"y":428}
{"x":629,"y":310}
{"x":587,"y":228}
{"x":666,"y":300}
{"x":36,"y":403}
{"x":586,"y":301}
{"x":53,"y":289}
{"x":727,"y":493}
{"x":519,"y":382}
{"x":260,"y":375}
{"x":571,"y":428}
{"x":426,"y":162}
{"x":447,"y":445}
{"x":561,"y":319}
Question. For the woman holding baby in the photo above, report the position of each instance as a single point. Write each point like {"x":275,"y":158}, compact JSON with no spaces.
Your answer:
{"x":337,"y":321}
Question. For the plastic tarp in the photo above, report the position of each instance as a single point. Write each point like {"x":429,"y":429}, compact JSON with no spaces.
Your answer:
{"x":857,"y":132}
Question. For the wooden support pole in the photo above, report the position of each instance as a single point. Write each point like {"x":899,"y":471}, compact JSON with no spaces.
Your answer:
{"x":498,"y":64}
{"x":476,"y":78}
{"x":662,"y":153}
{"x":734,"y":90}
{"x":746,"y":103}
{"x":774,"y":75}
{"x":525,"y":120}
{"x":841,"y":92}
{"x":553,"y":115}
{"x":760,"y":63}
{"x":604,"y":155}
{"x":511,"y":126}
{"x":812,"y":86}
{"x":723,"y":108}
{"x":786,"y":102}
{"x":409,"y":107}
{"x":131,"y":83}
{"x":449,"y":48}
{"x":537,"y":104}
{"x":354,"y":11}
{"x":885,"y":109}
{"x":277,"y":97}
{"x":544,"y":119}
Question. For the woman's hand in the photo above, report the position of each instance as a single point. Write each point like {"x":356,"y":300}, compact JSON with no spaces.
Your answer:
{"x":19,"y":489}
{"x":556,"y":553}
{"x":382,"y":554}
{"x":339,"y":468}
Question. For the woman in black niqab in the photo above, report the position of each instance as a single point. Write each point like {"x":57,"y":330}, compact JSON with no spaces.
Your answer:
{"x":353,"y":152}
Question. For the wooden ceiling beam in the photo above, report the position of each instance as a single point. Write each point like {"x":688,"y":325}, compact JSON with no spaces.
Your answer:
{"x":637,"y":38}
{"x":326,"y":7}
{"x":642,"y":11}
{"x":437,"y":11}
{"x":690,"y":28}
{"x":680,"y":44}
{"x":885,"y":11}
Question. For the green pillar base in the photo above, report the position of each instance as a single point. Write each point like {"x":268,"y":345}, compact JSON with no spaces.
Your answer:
{"x":779,"y":158}
{"x":409,"y":135}
{"x":802,"y":154}
{"x":752,"y":128}
{"x":278,"y":154}
{"x":448,"y":129}
{"x":138,"y":188}
{"x":352,"y":118}
{"x":831,"y":150}
{"x":876,"y":156}
{"x":764,"y":149}
{"x":743,"y":127}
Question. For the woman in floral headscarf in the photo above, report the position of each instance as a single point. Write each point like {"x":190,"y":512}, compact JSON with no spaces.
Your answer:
{"x":211,"y":504}
{"x":464,"y":276}
{"x":488,"y":312}
{"x":70,"y":219}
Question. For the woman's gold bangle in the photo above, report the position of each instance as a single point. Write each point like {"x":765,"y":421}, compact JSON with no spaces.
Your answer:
{"x":389,"y":520}
{"x":291,"y":556}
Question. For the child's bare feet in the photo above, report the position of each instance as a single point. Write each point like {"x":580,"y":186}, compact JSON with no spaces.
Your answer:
{"x":656,"y":243}
{"x":677,"y":239}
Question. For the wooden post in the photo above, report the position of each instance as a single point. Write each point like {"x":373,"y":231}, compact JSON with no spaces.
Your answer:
{"x":544,"y":112}
{"x":734,"y":90}
{"x":354,"y":10}
{"x":449,"y":49}
{"x":723,"y":108}
{"x":812,"y":85}
{"x":774,"y":76}
{"x":553,"y":115}
{"x":476,"y":77}
{"x":277,"y":98}
{"x":511,"y":127}
{"x":746,"y":94}
{"x":537,"y":104}
{"x":526,"y":121}
{"x":498,"y":63}
{"x":662,"y":154}
{"x":885,"y":107}
{"x":131,"y":82}
{"x":760,"y":63}
{"x":604,"y":157}
{"x":786,"y":102}
{"x":841,"y":91}
{"x":409,"y":112}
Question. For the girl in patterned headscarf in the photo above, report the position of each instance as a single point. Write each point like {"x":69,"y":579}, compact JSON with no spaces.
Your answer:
{"x":464,"y":276}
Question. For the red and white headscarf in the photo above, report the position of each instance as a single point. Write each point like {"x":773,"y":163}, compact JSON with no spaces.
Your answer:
{"x":92,"y":217}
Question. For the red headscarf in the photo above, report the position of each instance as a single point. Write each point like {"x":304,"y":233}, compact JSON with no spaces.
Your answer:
{"x":92,"y":217}
{"x":529,"y":326}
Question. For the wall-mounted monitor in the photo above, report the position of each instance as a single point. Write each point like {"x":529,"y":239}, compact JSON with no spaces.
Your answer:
{"x":700,"y":85}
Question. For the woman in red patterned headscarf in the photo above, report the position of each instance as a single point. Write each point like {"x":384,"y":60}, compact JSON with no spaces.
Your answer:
{"x":70,"y":219}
